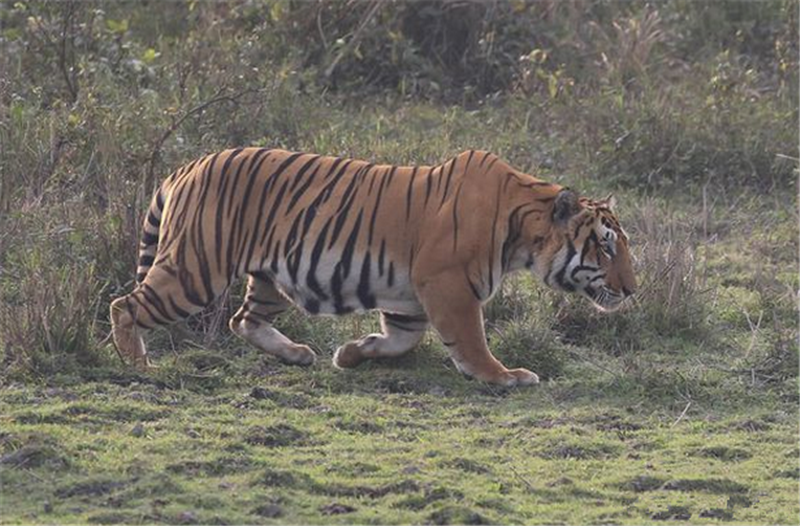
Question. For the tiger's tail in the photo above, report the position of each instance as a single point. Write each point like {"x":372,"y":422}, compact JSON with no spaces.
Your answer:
{"x":150,"y":235}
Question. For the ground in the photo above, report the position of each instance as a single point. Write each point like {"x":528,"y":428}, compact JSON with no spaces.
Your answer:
{"x":408,"y":441}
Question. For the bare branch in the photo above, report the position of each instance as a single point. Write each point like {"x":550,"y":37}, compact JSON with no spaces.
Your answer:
{"x":159,"y":143}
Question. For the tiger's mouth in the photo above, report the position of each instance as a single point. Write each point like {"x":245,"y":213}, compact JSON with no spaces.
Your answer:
{"x":604,"y":298}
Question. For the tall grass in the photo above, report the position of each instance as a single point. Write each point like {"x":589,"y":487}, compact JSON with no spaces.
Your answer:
{"x":80,"y":153}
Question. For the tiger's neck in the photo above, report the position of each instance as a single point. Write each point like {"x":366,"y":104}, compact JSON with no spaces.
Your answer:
{"x":530,"y":239}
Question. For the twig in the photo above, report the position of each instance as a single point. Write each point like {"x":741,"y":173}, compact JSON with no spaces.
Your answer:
{"x":71,"y":80}
{"x":523,"y":479}
{"x":60,"y":48}
{"x":319,"y":28}
{"x":355,"y":38}
{"x":685,"y":409}
{"x":217,"y":98}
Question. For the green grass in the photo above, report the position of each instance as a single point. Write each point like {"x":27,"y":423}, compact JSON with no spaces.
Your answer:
{"x":391,"y":443}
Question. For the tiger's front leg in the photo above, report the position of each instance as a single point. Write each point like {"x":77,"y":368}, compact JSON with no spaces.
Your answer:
{"x":456,"y":314}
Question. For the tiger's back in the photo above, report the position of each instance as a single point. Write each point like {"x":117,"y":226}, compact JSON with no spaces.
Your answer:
{"x":337,"y":235}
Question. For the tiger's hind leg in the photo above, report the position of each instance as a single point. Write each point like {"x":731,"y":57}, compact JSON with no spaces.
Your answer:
{"x":158,"y":300}
{"x":401,"y":333}
{"x":253,"y":322}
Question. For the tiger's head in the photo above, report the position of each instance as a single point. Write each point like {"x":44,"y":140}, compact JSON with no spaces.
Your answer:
{"x":592,"y":257}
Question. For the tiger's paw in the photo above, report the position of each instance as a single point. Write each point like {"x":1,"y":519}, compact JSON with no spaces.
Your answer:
{"x":149,"y":367}
{"x":513,"y":378}
{"x":298,"y":354}
{"x":348,"y":356}
{"x":523,"y":377}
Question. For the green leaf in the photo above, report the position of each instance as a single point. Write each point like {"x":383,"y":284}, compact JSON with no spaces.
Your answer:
{"x":149,"y":55}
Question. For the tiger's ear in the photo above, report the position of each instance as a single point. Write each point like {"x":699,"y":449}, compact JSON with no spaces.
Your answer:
{"x":565,"y":206}
{"x":611,"y":202}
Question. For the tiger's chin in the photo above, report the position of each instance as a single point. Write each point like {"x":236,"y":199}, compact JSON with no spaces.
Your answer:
{"x":604,"y":299}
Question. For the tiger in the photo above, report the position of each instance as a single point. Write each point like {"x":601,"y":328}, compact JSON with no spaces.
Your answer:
{"x":423,"y":245}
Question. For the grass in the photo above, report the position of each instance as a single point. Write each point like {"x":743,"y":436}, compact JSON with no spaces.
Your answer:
{"x":387,"y":444}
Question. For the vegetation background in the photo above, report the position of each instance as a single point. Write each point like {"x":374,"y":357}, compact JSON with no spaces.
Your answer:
{"x":682,"y":408}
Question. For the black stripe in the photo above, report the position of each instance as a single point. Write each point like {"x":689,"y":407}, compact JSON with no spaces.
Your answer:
{"x":375,"y":206}
{"x":366,"y":298}
{"x":580,"y":268}
{"x":200,"y":242}
{"x":222,"y":189}
{"x":153,"y":220}
{"x":405,"y":318}
{"x":390,"y":176}
{"x":236,"y":207}
{"x":274,"y":263}
{"x":302,"y":190}
{"x":336,"y":289}
{"x":152,"y":297}
{"x":146,"y":260}
{"x":429,"y":183}
{"x":450,"y":174}
{"x":178,"y":310}
{"x":512,"y":236}
{"x":258,"y":301}
{"x":592,"y":239}
{"x":408,"y":192}
{"x":276,"y":202}
{"x":186,"y":278}
{"x":144,"y":326}
{"x":350,"y":245}
{"x":273,"y":210}
{"x":149,"y":239}
{"x":312,"y":305}
{"x":316,"y":253}
{"x":381,"y":255}
{"x":146,"y":308}
{"x":562,"y":271}
{"x":262,"y":199}
{"x":293,"y":258}
{"x":492,"y":252}
{"x":237,"y":239}
{"x":405,"y":327}
{"x":455,"y":217}
{"x":342,"y":212}
{"x":472,"y":287}
{"x":256,"y":161}
{"x":302,"y":171}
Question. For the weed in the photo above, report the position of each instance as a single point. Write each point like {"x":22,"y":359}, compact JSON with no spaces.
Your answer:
{"x":275,"y":436}
{"x":89,"y":488}
{"x":725,"y":454}
{"x":642,"y":483}
{"x":711,"y":485}
{"x":457,"y":515}
{"x":678,"y":513}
